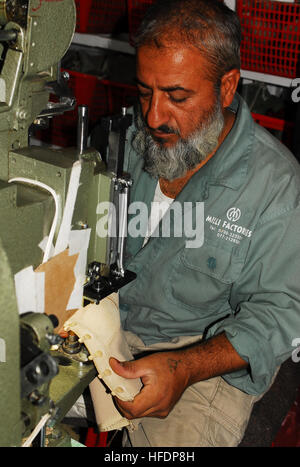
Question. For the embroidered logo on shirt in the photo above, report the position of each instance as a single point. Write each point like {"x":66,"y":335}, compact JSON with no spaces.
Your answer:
{"x":229,"y":231}
{"x":233,"y":214}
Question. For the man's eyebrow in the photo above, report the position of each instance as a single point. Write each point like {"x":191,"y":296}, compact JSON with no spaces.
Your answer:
{"x":165,"y":88}
{"x":142,"y":84}
{"x":175,"y":88}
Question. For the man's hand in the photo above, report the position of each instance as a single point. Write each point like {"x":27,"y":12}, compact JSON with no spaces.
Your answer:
{"x":164,"y":378}
{"x":166,"y":375}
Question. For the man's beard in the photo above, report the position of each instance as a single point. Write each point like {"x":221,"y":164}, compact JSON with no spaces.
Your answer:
{"x":174,"y":162}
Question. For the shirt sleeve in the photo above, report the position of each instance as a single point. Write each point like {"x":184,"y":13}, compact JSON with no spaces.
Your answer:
{"x":266,"y":303}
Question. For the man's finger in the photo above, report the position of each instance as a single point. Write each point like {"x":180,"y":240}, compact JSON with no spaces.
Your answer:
{"x":128,"y":370}
{"x":141,"y":406}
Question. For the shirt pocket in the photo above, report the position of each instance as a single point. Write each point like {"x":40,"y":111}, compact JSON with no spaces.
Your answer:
{"x":202,"y":278}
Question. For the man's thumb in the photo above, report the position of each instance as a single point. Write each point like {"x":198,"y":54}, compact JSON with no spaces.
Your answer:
{"x":125,"y":369}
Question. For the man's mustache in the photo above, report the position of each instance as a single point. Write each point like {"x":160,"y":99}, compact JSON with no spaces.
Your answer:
{"x":164,"y":129}
{"x":167,"y":130}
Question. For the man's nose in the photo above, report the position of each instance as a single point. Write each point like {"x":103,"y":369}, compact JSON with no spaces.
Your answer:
{"x":156,"y":112}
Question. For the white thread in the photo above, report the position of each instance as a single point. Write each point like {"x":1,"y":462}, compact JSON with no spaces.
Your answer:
{"x":57,"y":207}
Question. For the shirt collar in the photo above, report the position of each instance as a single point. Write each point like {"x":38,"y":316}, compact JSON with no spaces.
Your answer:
{"x":229,"y":166}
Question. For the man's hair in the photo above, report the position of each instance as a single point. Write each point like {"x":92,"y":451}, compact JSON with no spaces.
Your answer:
{"x":208,"y":25}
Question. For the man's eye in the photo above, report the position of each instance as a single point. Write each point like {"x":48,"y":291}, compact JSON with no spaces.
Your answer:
{"x":177,"y":99}
{"x":144,"y":95}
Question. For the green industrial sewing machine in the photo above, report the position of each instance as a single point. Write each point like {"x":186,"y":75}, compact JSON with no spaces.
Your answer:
{"x":40,"y":373}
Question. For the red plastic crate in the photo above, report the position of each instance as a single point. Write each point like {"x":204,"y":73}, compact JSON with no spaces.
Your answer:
{"x":99,"y":16}
{"x":270,"y":37}
{"x":289,"y":433}
{"x":278,"y":124}
{"x":103,"y":97}
{"x":270,"y":34}
{"x":95,"y":439}
{"x":136,"y":11}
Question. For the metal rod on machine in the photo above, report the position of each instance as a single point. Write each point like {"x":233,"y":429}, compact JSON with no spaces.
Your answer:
{"x":82,"y":129}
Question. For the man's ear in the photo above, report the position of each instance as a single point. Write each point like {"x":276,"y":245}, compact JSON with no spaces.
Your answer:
{"x":229,"y":84}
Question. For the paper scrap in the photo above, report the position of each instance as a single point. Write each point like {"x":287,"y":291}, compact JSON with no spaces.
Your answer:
{"x":59,"y":284}
{"x":30,"y":290}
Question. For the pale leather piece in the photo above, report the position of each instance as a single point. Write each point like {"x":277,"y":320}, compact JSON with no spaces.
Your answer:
{"x":99,"y":328}
{"x":107,"y":416}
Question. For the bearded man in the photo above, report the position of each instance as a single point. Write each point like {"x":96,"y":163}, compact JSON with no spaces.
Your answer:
{"x":210,"y":324}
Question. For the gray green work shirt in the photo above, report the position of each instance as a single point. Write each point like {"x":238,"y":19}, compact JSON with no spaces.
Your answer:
{"x":245,"y":278}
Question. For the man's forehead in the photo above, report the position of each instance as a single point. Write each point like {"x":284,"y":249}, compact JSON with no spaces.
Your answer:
{"x":173,"y":64}
{"x":175,"y":51}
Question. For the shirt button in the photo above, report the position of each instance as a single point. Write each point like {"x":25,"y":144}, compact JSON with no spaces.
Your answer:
{"x":212,"y":263}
